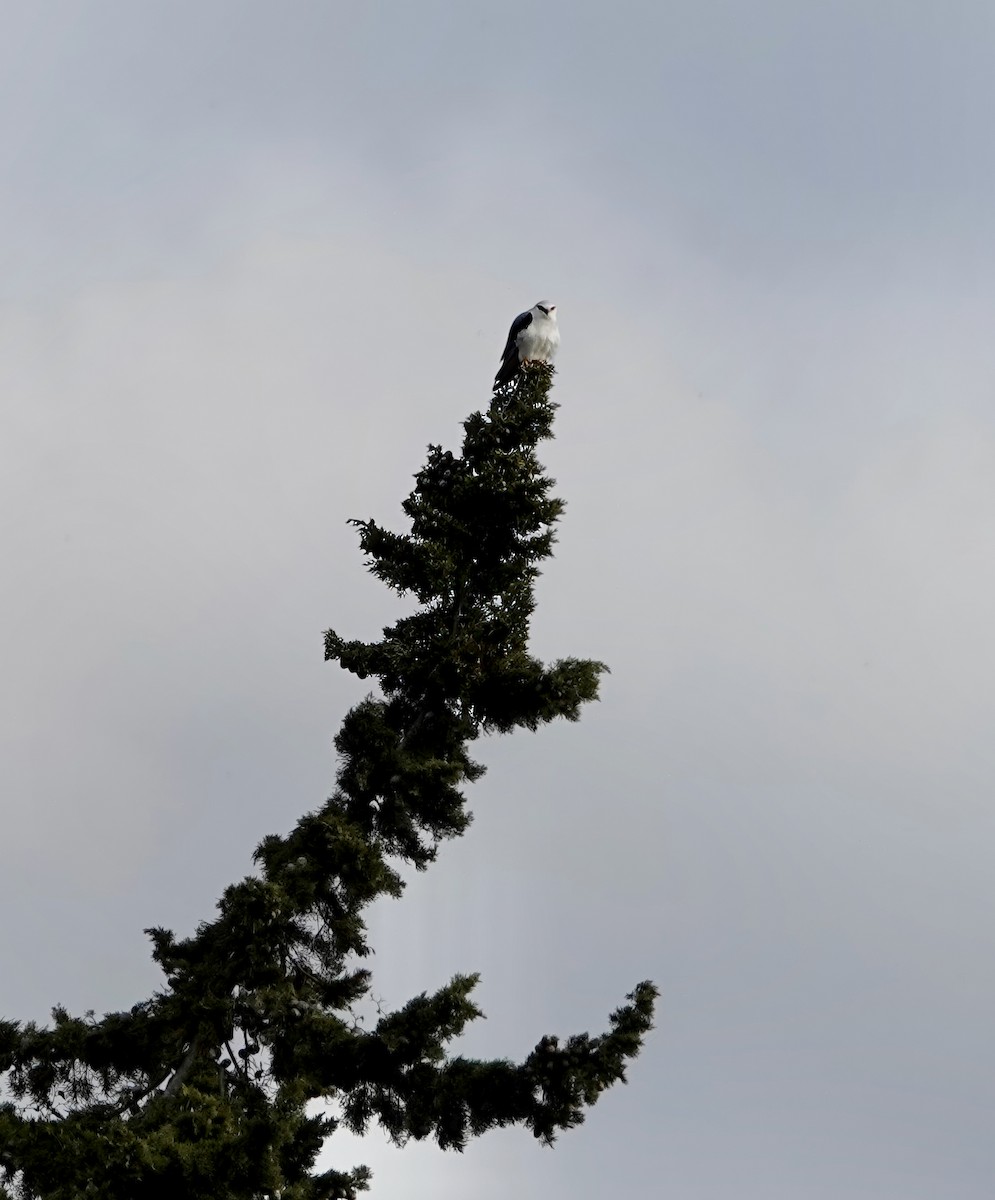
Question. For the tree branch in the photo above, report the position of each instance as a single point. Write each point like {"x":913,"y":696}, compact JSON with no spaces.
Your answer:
{"x":184,"y":1069}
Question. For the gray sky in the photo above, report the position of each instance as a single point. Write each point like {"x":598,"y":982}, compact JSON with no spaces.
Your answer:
{"x":255,"y":257}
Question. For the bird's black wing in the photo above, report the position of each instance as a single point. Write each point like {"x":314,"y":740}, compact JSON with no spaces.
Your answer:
{"x":509,"y":360}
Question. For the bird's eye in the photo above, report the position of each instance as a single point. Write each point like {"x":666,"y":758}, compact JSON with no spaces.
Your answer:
{"x":543,"y":309}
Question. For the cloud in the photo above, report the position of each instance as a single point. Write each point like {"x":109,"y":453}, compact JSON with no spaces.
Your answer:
{"x":251,"y":282}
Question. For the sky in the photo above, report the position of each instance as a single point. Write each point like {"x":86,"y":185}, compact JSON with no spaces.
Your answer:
{"x":254,"y":258}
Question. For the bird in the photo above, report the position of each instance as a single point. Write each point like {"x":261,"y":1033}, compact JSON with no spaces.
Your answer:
{"x":534,"y":337}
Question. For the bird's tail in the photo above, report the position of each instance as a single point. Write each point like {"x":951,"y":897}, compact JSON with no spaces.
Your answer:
{"x":506,"y":373}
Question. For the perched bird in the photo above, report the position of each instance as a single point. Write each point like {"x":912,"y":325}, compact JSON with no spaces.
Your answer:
{"x":534,"y":337}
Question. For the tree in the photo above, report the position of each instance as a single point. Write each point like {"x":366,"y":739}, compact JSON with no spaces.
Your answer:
{"x":204,"y":1090}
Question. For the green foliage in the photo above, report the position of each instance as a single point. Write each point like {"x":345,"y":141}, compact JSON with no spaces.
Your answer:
{"x":203,"y":1091}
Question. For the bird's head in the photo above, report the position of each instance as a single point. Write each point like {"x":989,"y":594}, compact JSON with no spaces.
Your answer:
{"x":546,"y":309}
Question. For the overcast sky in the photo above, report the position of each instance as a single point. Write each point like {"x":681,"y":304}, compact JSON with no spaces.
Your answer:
{"x":254,"y":257}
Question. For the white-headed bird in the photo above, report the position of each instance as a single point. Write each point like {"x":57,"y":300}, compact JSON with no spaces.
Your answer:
{"x":534,"y":337}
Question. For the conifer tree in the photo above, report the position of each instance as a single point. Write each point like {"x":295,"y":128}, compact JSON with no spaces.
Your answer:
{"x":203,"y":1091}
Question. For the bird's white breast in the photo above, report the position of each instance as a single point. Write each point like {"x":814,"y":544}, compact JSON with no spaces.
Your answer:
{"x":539,"y":341}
